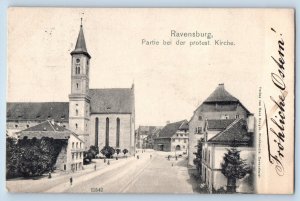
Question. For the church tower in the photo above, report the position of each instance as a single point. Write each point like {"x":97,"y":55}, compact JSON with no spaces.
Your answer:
{"x":79,"y":100}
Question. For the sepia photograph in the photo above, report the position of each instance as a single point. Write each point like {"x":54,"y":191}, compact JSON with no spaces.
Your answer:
{"x":160,"y":101}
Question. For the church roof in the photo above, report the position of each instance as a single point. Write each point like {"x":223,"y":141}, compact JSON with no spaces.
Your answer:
{"x":221,"y":95}
{"x":103,"y":101}
{"x":170,"y":129}
{"x":114,"y":100}
{"x":236,"y":133}
{"x":80,"y":47}
{"x":40,"y":111}
{"x":47,"y":129}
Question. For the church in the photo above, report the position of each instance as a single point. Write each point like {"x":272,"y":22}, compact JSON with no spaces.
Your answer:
{"x":100,"y":117}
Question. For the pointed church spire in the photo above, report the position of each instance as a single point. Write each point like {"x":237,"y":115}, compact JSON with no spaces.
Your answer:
{"x":80,"y":47}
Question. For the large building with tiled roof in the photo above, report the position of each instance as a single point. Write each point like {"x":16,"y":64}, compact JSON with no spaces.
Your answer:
{"x":219,"y":123}
{"x":100,"y":117}
{"x":173,"y":137}
{"x":219,"y":105}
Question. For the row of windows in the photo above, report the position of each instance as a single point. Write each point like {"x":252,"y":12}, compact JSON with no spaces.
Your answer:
{"x":73,"y":145}
{"x":181,"y":135}
{"x":198,"y":130}
{"x":224,"y":116}
{"x":77,"y":155}
{"x":27,"y":125}
{"x":184,"y":140}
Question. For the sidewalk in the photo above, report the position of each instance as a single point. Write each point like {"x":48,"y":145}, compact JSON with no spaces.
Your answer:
{"x":58,"y":178}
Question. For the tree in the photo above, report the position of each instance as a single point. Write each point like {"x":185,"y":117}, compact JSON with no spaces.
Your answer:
{"x":233,"y":168}
{"x":87,"y":157}
{"x":125,"y":151}
{"x":118,"y":151}
{"x":198,"y":160}
{"x":94,"y":151}
{"x":32,"y":157}
{"x":108,"y":151}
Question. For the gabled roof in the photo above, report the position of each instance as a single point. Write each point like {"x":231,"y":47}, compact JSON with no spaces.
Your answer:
{"x":221,"y":95}
{"x":47,"y":129}
{"x":236,"y":133}
{"x":59,"y":111}
{"x":184,"y":126}
{"x":218,"y":124}
{"x":80,"y":47}
{"x":170,"y":129}
{"x":148,"y":130}
{"x":115,"y":100}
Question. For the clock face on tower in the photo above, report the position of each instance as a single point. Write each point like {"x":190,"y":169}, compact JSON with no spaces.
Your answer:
{"x":77,"y":60}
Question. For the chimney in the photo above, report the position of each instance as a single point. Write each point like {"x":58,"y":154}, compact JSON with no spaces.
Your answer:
{"x":250,"y":123}
{"x":167,"y":122}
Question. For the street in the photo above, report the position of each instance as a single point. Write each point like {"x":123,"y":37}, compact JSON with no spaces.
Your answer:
{"x":144,"y":175}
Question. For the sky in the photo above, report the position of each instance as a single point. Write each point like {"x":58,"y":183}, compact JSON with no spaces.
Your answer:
{"x":170,"y":81}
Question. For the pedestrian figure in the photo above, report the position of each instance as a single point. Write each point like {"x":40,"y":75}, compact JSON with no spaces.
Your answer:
{"x":71,"y":180}
{"x":172,"y":164}
{"x":150,"y":156}
{"x":104,"y":160}
{"x":169,"y":157}
{"x":138,"y":157}
{"x":95,"y":167}
{"x":49,"y":175}
{"x":108,"y":163}
{"x":176,"y":157}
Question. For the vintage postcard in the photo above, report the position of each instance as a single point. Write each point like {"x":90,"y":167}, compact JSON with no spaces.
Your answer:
{"x":132,"y":100}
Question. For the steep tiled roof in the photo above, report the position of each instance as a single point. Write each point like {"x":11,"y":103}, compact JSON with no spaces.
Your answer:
{"x":102,"y":101}
{"x":80,"y":47}
{"x":148,"y":130}
{"x":218,"y":124}
{"x":184,"y":126}
{"x":59,"y":111}
{"x":170,"y":129}
{"x":221,"y":95}
{"x":115,"y":100}
{"x":236,"y":132}
{"x":218,"y":107}
{"x":47,"y":129}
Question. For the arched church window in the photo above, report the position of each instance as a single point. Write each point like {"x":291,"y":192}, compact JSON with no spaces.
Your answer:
{"x":78,"y":70}
{"x":118,"y":133}
{"x":96,"y":131}
{"x":107,"y":132}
